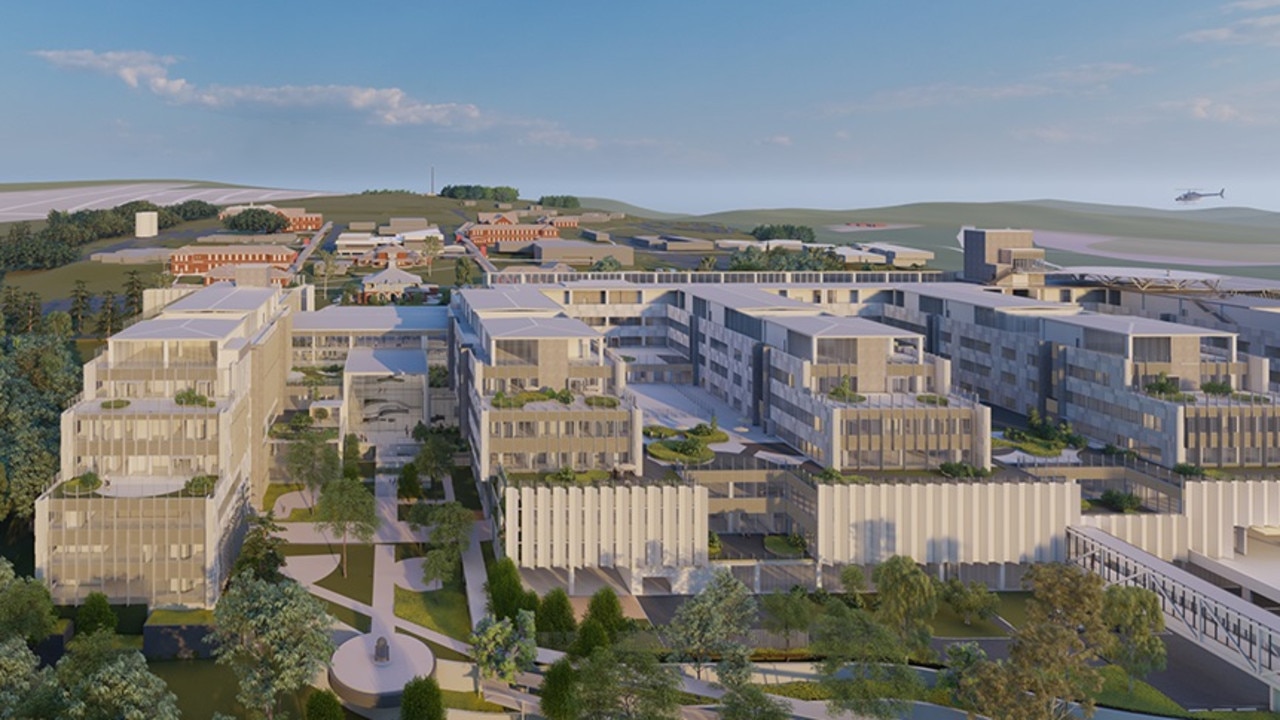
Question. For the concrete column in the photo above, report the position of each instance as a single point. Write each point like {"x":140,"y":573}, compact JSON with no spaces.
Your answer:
{"x":572,"y":580}
{"x":755,"y":580}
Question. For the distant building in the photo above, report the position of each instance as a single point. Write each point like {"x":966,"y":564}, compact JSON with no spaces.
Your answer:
{"x":502,"y":226}
{"x":146,"y":224}
{"x":299,"y":219}
{"x":355,"y":244}
{"x":200,"y":259}
{"x":389,"y":285}
{"x":996,"y":256}
{"x":899,"y":256}
{"x":576,"y":252}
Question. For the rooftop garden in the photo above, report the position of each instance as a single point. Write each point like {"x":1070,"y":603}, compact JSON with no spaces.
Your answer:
{"x":1167,"y":389}
{"x":931,"y":399}
{"x":688,"y":450}
{"x":115,"y":404}
{"x":832,"y":476}
{"x":844,"y":392}
{"x":201,"y":485}
{"x":522,"y":398}
{"x":604,"y":401}
{"x":1042,"y":437}
{"x":189,"y":397}
{"x":785,"y":546}
{"x":82,"y":484}
{"x":563,"y":476}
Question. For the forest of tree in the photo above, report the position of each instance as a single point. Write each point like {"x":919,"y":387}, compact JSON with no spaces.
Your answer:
{"x":803,"y":233}
{"x":500,"y":193}
{"x":569,"y":202}
{"x":755,"y":259}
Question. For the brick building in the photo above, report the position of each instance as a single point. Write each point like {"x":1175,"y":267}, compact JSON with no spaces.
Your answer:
{"x":200,"y":259}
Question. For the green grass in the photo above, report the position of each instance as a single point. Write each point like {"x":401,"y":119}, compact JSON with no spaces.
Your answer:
{"x":946,"y":623}
{"x":1038,"y":448}
{"x":180,"y":617}
{"x":302,"y":514}
{"x":1144,"y":698}
{"x":662,"y":451}
{"x":444,"y":610}
{"x":798,"y":690}
{"x":441,"y":652}
{"x":1013,"y":607}
{"x":780,"y":546}
{"x":291,"y":549}
{"x":357,"y":620}
{"x":275,"y":490}
{"x":459,"y":700}
{"x":358,"y":584}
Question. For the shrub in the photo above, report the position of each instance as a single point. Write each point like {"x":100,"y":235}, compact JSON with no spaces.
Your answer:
{"x":1250,"y":398}
{"x":322,"y":413}
{"x":1214,"y":387}
{"x":1188,"y":470}
{"x":83,"y":483}
{"x":422,"y":700}
{"x":324,"y":705}
{"x":714,"y":547}
{"x":660,"y":431}
{"x":601,"y":401}
{"x":115,"y":404}
{"x":96,"y":614}
{"x":190,"y":397}
{"x":1162,"y":385}
{"x":961,"y":470}
{"x":685,"y":450}
{"x":201,"y":485}
{"x":1122,"y":502}
{"x":931,"y":399}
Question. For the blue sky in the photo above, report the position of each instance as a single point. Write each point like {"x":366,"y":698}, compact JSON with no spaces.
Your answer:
{"x":693,"y":106}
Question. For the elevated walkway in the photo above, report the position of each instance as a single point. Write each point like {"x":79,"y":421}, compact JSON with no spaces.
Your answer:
{"x":1230,"y":627}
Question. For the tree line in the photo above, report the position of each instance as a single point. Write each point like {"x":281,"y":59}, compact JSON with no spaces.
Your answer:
{"x":59,"y":241}
{"x":753,"y":259}
{"x":499,"y":193}
{"x":803,"y":233}
{"x":569,"y":202}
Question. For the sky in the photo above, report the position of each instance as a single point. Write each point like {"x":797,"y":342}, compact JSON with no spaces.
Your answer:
{"x":684,"y":105}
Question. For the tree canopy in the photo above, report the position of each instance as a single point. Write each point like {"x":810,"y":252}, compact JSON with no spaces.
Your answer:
{"x":422,"y":700}
{"x":262,"y":552}
{"x":907,"y":601}
{"x":713,"y":621}
{"x":803,"y":233}
{"x":569,"y":202}
{"x":499,"y":193}
{"x":450,"y":525}
{"x":26,"y":608}
{"x":606,"y":264}
{"x":256,"y":220}
{"x":347,"y":508}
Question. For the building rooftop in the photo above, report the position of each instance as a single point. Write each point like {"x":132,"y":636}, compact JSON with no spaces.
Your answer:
{"x":163,"y":328}
{"x":508,"y":297}
{"x":365,"y":318}
{"x":235,"y":250}
{"x":841,"y":327}
{"x":222,"y":297}
{"x":368,"y":361}
{"x":391,"y":276}
{"x":743,"y":297}
{"x":531,"y":328}
{"x":1134,"y":325}
{"x":976,"y":295}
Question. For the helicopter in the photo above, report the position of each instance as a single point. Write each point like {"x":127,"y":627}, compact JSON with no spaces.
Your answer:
{"x":1190,"y":196}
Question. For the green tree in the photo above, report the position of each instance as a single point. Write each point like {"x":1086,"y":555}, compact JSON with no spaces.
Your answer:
{"x":100,"y":682}
{"x":1135,"y":620}
{"x":854,"y":582}
{"x":435,"y":458}
{"x":311,"y":460}
{"x":604,"y":608}
{"x":555,"y":620}
{"x":58,"y":324}
{"x":133,"y":288}
{"x":409,"y":483}
{"x":432,"y":246}
{"x":324,"y":265}
{"x":608,"y":263}
{"x":262,"y":553}
{"x":748,"y":259}
{"x":465,"y":272}
{"x":324,"y":705}
{"x":275,"y":636}
{"x":787,"y":613}
{"x":507,"y":596}
{"x":450,"y":525}
{"x":81,"y":305}
{"x":864,"y":663}
{"x":108,"y":315}
{"x":351,"y":456}
{"x":559,"y":699}
{"x":503,"y":649}
{"x":26,"y":689}
{"x":803,"y":233}
{"x":748,"y":702}
{"x":714,"y":620}
{"x":347,"y":508}
{"x":707,"y":263}
{"x":591,"y":635}
{"x":623,"y":684}
{"x":96,"y":614}
{"x":970,"y":601}
{"x":26,"y":608}
{"x":422,"y":700}
{"x":907,"y":601}
{"x":256,"y":220}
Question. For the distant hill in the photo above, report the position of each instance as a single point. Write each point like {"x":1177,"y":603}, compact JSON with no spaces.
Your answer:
{"x":634,"y":210}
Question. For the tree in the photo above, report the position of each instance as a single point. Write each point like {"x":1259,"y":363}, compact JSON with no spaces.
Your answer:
{"x":907,"y":601}
{"x":133,"y":288}
{"x":324,"y":265}
{"x":623,"y":684}
{"x":707,"y":263}
{"x":256,"y":220}
{"x":81,"y":305}
{"x":32,"y":311}
{"x":864,"y":663}
{"x":465,"y":272}
{"x":26,"y":689}
{"x":963,"y":659}
{"x":108,"y":315}
{"x":102,"y":683}
{"x":422,"y":700}
{"x":605,"y":609}
{"x":748,"y":702}
{"x":96,"y":614}
{"x":854,"y":582}
{"x":803,"y":233}
{"x":324,"y":705}
{"x":559,"y":700}
{"x":432,"y":246}
{"x":58,"y":324}
{"x":507,"y":596}
{"x":275,"y":636}
{"x":409,"y":483}
{"x":748,"y":259}
{"x":712,"y":621}
{"x":555,"y":620}
{"x":351,"y":456}
{"x":347,"y":508}
{"x":262,"y":553}
{"x":26,"y":608}
{"x":1135,"y":620}
{"x":787,"y":613}
{"x":312,"y":460}
{"x":503,"y":649}
{"x":591,"y":635}
{"x":450,"y":525}
{"x":608,"y":263}
{"x":435,"y":458}
{"x":971,"y":601}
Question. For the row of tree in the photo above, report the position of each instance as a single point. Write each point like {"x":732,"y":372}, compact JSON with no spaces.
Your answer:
{"x":569,"y":202}
{"x":499,"y":193}
{"x":753,"y":259}
{"x":256,"y":220}
{"x":59,"y":241}
{"x":803,"y":233}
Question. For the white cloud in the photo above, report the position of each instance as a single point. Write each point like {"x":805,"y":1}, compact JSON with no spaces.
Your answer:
{"x":1207,"y":109}
{"x":777,"y":140}
{"x":387,"y":106}
{"x":1247,"y":5}
{"x":1260,"y":30}
{"x":1093,"y":77}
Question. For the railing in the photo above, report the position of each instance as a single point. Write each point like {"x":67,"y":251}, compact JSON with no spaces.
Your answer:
{"x":690,"y":277}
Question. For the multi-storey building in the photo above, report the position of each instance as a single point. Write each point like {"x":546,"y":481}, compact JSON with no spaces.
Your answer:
{"x":502,"y":226}
{"x":200,"y":259}
{"x":299,"y":219}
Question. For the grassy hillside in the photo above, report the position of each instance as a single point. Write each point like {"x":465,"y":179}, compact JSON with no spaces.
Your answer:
{"x":608,"y":205}
{"x":59,"y":184}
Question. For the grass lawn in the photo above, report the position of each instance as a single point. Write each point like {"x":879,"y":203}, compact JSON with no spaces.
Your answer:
{"x":779,"y":545}
{"x":180,"y":617}
{"x":275,"y":490}
{"x":459,"y":700}
{"x":302,"y":514}
{"x":798,"y":690}
{"x":291,"y":549}
{"x":950,"y":625}
{"x":1013,"y":607}
{"x":1037,"y":448}
{"x":357,"y":620}
{"x":56,"y":284}
{"x":441,"y":652}
{"x":444,"y":610}
{"x":1144,"y":698}
{"x":358,"y":584}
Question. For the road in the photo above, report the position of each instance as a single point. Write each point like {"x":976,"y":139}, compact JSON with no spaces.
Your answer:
{"x":318,"y":240}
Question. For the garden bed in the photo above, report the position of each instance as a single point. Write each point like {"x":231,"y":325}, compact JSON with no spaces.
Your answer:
{"x":676,"y":451}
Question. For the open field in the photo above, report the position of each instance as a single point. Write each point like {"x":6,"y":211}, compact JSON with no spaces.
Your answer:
{"x":35,"y":203}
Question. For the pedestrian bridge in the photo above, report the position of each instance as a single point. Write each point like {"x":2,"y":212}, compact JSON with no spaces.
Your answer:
{"x":1230,"y":627}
